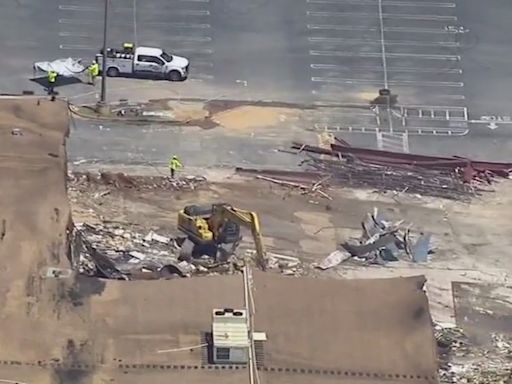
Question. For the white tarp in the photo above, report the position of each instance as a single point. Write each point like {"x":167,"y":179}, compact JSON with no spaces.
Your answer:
{"x":64,"y":67}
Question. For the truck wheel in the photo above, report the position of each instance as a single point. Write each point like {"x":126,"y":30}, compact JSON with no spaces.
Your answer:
{"x":174,"y":76}
{"x":112,"y":72}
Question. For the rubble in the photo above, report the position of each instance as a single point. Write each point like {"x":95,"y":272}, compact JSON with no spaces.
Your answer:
{"x":114,"y":252}
{"x":120,"y":180}
{"x":381,"y":241}
{"x":110,"y":251}
{"x":453,"y":177}
{"x":462,"y":362}
{"x":306,"y":183}
{"x":152,"y":236}
{"x":334,"y":258}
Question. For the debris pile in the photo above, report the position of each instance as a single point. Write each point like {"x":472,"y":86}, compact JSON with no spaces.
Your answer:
{"x":446,"y":177}
{"x":461,"y":362}
{"x":112,"y":252}
{"x":381,"y":241}
{"x":116,"y":253}
{"x":122,"y":181}
{"x":306,"y":183}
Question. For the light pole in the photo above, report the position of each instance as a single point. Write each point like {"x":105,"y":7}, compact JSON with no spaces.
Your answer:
{"x":103,"y":97}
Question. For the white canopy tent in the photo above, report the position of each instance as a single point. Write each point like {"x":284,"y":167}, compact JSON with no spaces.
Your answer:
{"x":64,"y":67}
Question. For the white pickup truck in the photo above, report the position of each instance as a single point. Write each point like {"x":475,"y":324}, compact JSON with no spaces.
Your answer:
{"x":144,"y":62}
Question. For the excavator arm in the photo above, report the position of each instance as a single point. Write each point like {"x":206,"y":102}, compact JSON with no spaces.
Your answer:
{"x":247,"y":219}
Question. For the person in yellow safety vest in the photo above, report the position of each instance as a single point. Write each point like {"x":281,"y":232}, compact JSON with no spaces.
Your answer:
{"x":94,"y":71}
{"x":174,"y":164}
{"x":52,"y":78}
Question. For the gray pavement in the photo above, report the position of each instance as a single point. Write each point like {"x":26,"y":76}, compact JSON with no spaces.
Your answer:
{"x":447,"y":60}
{"x":118,"y":146}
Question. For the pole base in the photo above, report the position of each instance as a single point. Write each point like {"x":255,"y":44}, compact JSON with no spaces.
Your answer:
{"x":102,"y":108}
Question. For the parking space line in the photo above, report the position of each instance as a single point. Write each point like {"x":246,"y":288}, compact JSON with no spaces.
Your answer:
{"x":342,"y":80}
{"x":195,"y":1}
{"x":99,"y":22}
{"x":335,"y":96}
{"x":74,"y":34}
{"x":383,"y":49}
{"x":387,"y":54}
{"x":385,"y":3}
{"x":439,"y":71}
{"x":202,"y":76}
{"x":183,"y":38}
{"x":67,"y":7}
{"x":343,"y":40}
{"x":81,"y":47}
{"x":336,"y":27}
{"x":384,"y":15}
{"x":201,"y":51}
{"x":83,"y":8}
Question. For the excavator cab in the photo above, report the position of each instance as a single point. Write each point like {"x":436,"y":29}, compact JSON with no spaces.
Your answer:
{"x":203,"y":224}
{"x":214,"y":230}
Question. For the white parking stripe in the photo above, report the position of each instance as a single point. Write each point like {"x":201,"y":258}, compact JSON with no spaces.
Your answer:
{"x":386,"y":29}
{"x":80,"y":47}
{"x":384,"y":15}
{"x":384,"y":3}
{"x":74,"y":34}
{"x":336,"y":96}
{"x":334,"y":67}
{"x":391,"y":55}
{"x":388,"y":3}
{"x":67,"y":7}
{"x":162,"y":23}
{"x":182,"y":38}
{"x":342,"y":40}
{"x":83,"y":8}
{"x":193,"y":50}
{"x":341,"y":80}
{"x":202,"y":76}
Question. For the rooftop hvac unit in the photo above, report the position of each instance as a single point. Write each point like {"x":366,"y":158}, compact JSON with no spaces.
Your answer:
{"x":230,"y":336}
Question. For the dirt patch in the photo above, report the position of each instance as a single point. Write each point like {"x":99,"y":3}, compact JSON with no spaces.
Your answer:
{"x":188,"y":111}
{"x":246,"y":117}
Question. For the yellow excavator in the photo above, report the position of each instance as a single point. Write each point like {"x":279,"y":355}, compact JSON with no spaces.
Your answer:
{"x":214,"y":230}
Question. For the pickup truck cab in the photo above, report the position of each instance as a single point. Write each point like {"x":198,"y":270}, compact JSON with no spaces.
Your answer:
{"x":145,"y":62}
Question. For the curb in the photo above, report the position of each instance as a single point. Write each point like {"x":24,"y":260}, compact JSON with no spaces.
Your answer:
{"x":94,"y":116}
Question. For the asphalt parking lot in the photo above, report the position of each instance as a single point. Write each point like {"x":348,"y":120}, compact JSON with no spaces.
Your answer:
{"x":447,"y":60}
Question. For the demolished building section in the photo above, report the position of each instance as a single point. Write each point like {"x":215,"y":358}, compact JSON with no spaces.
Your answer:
{"x":113,"y":252}
{"x":454,"y":178}
{"x":447,"y":177}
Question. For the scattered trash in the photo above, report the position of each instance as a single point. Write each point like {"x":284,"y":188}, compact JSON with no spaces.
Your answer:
{"x":152,"y":236}
{"x":335,"y":258}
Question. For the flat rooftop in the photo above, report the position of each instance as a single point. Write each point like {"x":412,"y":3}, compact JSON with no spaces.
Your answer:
{"x":82,"y":330}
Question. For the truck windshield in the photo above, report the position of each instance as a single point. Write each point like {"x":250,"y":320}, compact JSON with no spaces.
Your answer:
{"x":166,"y":57}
